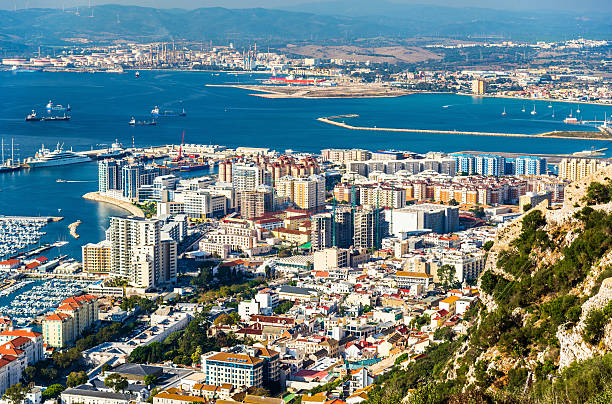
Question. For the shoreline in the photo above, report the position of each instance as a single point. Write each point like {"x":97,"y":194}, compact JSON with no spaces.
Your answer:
{"x":512,"y":97}
{"x":97,"y":197}
{"x":546,"y":135}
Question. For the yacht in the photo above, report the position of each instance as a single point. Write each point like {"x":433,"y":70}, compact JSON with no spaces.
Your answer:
{"x":534,"y":110}
{"x":58,"y":157}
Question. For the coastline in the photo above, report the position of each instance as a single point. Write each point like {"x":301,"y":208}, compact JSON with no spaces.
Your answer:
{"x":511,"y":97}
{"x":317,"y":93}
{"x":546,"y":135}
{"x":97,"y":197}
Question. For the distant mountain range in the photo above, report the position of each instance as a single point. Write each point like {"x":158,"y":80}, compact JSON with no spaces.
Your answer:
{"x":341,"y":21}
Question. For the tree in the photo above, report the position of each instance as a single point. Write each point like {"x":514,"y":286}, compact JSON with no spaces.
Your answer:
{"x":446,"y":276}
{"x":196,"y":356}
{"x":150,"y":380}
{"x":527,"y":207}
{"x":30,"y":373}
{"x":116,"y":382}
{"x":76,"y":379}
{"x":16,"y":394}
{"x":453,"y":202}
{"x":53,"y":391}
{"x":224,"y":319}
{"x":283,"y":307}
{"x":488,"y":245}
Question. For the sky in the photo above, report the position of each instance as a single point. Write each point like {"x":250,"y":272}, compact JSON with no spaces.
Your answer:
{"x":566,"y":5}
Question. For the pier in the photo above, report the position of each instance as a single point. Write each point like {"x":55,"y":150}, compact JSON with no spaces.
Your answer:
{"x":331,"y":120}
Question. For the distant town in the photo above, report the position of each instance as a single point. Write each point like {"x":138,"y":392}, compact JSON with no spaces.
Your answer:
{"x":508,"y":69}
{"x":283,"y":277}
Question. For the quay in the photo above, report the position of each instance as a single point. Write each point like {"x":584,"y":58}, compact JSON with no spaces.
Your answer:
{"x":98,"y":197}
{"x":558,"y":135}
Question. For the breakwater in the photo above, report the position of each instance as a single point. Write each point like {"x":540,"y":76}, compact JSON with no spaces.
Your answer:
{"x":331,"y":120}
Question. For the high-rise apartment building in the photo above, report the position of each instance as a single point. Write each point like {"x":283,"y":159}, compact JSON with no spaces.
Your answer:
{"x":529,"y":165}
{"x":255,"y":203}
{"x":323,"y":235}
{"x":382,"y":196}
{"x":576,"y":169}
{"x":136,"y":251}
{"x":479,"y":86}
{"x":305,"y":192}
{"x":247,"y":177}
{"x":370,"y":227}
{"x":96,"y":257}
{"x":491,"y":165}
{"x":109,"y":175}
{"x":130,"y":178}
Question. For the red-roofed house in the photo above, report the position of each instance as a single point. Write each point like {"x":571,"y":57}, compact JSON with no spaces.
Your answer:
{"x":30,"y":342}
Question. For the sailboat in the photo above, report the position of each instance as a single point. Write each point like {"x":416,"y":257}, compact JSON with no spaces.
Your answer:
{"x":534,"y":111}
{"x":553,"y":113}
{"x":550,"y":105}
{"x":578,"y":109}
{"x":504,"y":113}
{"x":523,"y":110}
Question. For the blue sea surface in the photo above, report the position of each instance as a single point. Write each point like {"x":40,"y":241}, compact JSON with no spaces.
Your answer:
{"x":103,"y":103}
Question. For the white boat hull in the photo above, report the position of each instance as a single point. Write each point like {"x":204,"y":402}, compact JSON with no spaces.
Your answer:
{"x":55,"y":163}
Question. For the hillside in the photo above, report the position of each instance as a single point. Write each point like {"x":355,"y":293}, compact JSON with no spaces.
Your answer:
{"x":114,"y":22}
{"x":542,"y":332}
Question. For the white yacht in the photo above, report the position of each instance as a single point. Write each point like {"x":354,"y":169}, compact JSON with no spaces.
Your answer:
{"x":58,"y":157}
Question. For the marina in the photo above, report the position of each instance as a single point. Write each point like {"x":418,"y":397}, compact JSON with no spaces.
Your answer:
{"x":28,"y":299}
{"x":17,"y":233}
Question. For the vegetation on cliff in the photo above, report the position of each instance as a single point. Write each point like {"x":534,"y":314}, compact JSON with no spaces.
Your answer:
{"x":511,"y":351}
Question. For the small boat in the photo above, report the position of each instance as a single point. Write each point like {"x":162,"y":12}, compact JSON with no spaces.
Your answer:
{"x":504,"y":113}
{"x":534,"y":111}
{"x":60,"y":180}
{"x":32,"y":117}
{"x":132,"y":121}
{"x":155,"y":111}
{"x":137,"y":74}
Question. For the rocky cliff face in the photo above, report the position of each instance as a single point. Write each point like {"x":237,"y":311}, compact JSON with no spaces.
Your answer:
{"x":573,"y":346}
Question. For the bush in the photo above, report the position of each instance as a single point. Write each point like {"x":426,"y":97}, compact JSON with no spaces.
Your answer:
{"x":595,"y":324}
